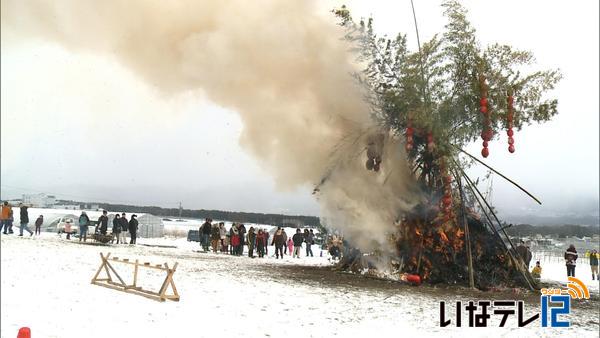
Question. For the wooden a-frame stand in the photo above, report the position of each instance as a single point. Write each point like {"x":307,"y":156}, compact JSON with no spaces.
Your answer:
{"x":108,"y":282}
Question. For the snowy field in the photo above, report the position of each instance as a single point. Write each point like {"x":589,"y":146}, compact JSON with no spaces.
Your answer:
{"x":46,"y":286}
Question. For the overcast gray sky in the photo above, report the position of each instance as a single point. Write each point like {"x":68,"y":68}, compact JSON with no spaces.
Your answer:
{"x":71,"y":126}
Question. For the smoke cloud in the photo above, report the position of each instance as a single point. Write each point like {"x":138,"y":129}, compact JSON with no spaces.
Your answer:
{"x":282,"y":67}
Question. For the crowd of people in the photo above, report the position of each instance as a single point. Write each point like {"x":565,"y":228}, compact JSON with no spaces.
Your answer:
{"x":216,"y":238}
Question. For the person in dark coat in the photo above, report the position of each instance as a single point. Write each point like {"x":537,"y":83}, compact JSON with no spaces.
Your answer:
{"x":260,"y":243}
{"x":133,"y":228}
{"x":124,"y":228}
{"x":251,"y":241}
{"x":525,"y":253}
{"x":24,"y":220}
{"x":242,"y":234}
{"x":205,"y":231}
{"x":278,"y":242}
{"x":103,"y":222}
{"x":570,"y":260}
{"x":309,"y":239}
{"x":38,"y":225}
{"x":298,"y":238}
{"x":116,"y":229}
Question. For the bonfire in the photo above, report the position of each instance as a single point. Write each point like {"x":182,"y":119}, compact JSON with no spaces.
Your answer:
{"x":447,"y":94}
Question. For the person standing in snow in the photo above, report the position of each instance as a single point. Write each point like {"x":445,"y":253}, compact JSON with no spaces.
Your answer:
{"x":124,"y":228}
{"x":251,"y":242}
{"x":38,"y":225}
{"x":260,"y":243}
{"x":133,"y":228}
{"x":267,"y":235}
{"x":84,"y":221}
{"x":594,"y":264}
{"x":103,"y":222}
{"x":4,"y":216}
{"x":570,"y":260}
{"x":205,"y":231}
{"x":116,"y":229}
{"x":215,"y":237}
{"x":290,"y":245}
{"x":235,"y":239}
{"x":298,"y":238}
{"x":68,"y":229}
{"x":285,"y":238}
{"x":308,"y":238}
{"x":278,"y":242}
{"x":24,"y":220}
{"x":242,"y":233}
{"x":223,"y":236}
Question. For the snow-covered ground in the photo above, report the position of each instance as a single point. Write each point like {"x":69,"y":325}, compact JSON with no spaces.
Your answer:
{"x":45,"y":285}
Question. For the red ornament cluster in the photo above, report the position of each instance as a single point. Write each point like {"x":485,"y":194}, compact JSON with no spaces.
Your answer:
{"x":447,"y":198}
{"x":487,"y":133}
{"x":409,"y":138}
{"x":430,"y":143}
{"x":509,"y":120}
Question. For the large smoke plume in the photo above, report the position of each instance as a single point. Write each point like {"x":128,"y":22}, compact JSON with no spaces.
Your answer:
{"x":282,"y":67}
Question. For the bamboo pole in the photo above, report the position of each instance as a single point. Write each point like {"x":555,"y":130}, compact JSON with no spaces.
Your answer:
{"x":500,"y":174}
{"x":467,"y":235}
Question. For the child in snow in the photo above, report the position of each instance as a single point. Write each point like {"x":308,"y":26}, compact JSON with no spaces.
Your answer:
{"x":536,"y":272}
{"x":68,"y":229}
{"x":290,"y":245}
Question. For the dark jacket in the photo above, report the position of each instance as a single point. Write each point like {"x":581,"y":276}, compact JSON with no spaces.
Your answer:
{"x":133,"y":225}
{"x":116,"y":225}
{"x":124,"y":224}
{"x":298,"y":238}
{"x":103,"y":222}
{"x":278,"y":239}
{"x":251,"y":237}
{"x":571,"y":256}
{"x":24,"y":215}
{"x":206,"y":228}
{"x":39,"y":221}
{"x":309,"y":238}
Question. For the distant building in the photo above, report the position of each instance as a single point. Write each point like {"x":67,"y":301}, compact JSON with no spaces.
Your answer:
{"x":67,"y":206}
{"x":39,"y":200}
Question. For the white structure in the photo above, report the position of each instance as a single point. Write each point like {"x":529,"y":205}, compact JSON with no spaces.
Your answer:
{"x":39,"y":200}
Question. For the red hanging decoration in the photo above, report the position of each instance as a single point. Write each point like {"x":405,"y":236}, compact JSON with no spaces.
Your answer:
{"x":509,"y":122}
{"x":409,"y":137}
{"x":487,"y":133}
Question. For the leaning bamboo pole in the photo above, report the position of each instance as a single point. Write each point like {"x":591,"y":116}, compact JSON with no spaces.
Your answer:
{"x":517,"y":260}
{"x":466,"y":226}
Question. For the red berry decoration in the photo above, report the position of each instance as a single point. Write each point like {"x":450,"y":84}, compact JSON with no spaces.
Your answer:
{"x":485,"y":152}
{"x":487,"y":133}
{"x":509,"y":122}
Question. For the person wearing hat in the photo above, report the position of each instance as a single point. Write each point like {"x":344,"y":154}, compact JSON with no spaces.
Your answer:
{"x":38,"y":225}
{"x":133,"y":228}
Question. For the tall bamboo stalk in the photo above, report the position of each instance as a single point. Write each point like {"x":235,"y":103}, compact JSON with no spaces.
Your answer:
{"x":466,"y":226}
